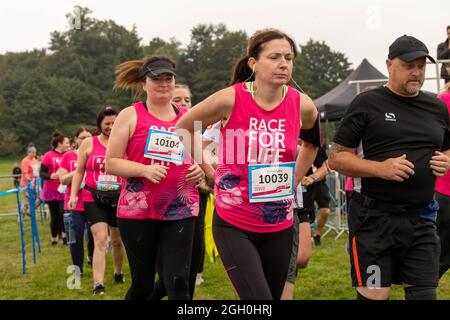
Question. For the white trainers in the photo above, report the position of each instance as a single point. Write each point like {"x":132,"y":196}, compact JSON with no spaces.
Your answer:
{"x":199,"y":280}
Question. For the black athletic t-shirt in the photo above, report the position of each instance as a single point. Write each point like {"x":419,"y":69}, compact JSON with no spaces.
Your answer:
{"x":382,"y":125}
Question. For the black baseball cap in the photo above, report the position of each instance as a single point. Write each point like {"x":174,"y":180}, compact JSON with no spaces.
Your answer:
{"x":155,"y":68}
{"x":408,"y":48}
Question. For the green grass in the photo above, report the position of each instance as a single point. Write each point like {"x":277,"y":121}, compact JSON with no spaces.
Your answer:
{"x":326,"y":278}
{"x":7,"y":203}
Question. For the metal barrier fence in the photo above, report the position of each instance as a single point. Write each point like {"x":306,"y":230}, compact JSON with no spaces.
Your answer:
{"x":337,"y":221}
{"x":437,"y":77}
{"x":8,"y":205}
{"x":29,"y":194}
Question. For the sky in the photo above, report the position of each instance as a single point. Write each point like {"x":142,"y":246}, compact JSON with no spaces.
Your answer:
{"x":358,"y":28}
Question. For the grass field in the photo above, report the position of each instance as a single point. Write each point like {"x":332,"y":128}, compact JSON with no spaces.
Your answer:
{"x":326,"y":277}
{"x":7,"y":204}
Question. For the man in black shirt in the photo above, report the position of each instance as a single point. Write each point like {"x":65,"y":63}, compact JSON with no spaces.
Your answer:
{"x":16,"y":174}
{"x":401,"y":138}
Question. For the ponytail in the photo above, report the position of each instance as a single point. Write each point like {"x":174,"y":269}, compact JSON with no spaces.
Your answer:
{"x":57,"y":137}
{"x":129,"y":76}
{"x":241,"y":72}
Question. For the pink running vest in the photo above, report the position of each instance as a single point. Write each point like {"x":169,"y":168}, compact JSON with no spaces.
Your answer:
{"x":173,"y":198}
{"x":96,"y":170}
{"x":52,"y":160}
{"x":443,"y":183}
{"x":69,"y":162}
{"x":270,"y":137}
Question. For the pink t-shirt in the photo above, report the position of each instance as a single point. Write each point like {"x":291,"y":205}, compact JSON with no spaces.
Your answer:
{"x":263,"y":143}
{"x":173,"y":198}
{"x":52,"y":161}
{"x":69,"y":162}
{"x":96,"y":176}
{"x":348,"y":184}
{"x":443,"y":183}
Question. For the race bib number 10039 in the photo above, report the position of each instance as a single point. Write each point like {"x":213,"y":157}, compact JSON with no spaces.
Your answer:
{"x":271,"y":182}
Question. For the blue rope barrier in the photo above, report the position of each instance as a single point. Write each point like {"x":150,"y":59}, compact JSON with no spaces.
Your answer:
{"x":33,"y":191}
{"x":34,"y":230}
{"x":22,"y":232}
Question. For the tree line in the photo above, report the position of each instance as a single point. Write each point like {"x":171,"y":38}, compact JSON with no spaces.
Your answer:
{"x":64,"y":85}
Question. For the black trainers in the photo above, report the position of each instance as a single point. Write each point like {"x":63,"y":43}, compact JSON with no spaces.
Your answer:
{"x":99,"y":289}
{"x":119,"y":278}
{"x":317,"y":240}
{"x":64,"y":241}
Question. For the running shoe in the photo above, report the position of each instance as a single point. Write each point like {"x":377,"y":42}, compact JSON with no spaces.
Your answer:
{"x":119,"y":278}
{"x":317,"y":240}
{"x":99,"y":289}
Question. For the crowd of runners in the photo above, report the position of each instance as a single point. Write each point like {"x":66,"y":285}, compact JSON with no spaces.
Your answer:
{"x":140,"y":180}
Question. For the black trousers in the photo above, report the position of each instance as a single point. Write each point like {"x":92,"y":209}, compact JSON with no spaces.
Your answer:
{"x":142,"y":238}
{"x":56,"y":217}
{"x":198,"y":254}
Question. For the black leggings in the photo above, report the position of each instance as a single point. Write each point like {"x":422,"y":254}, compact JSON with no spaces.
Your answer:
{"x":77,"y":249}
{"x":257,"y":263}
{"x":56,"y":217}
{"x":142,"y":239}
{"x":198,"y":249}
{"x":198,"y":253}
{"x":443,"y":228}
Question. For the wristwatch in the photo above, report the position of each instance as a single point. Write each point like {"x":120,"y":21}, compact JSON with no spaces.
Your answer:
{"x":312,"y":176}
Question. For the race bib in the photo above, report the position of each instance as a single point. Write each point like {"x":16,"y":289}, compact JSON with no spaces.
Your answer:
{"x":163,"y":145}
{"x":298,"y":199}
{"x":107,"y":182}
{"x":271,"y":182}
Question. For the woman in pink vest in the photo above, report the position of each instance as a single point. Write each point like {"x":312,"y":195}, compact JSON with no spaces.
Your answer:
{"x":258,"y":171}
{"x":50,"y":194}
{"x":159,"y":201}
{"x":443,"y":197}
{"x":67,"y":169}
{"x":100,"y":196}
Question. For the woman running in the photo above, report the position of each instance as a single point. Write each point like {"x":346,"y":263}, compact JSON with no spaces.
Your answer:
{"x":159,"y":200}
{"x":254,"y":180}
{"x":50,"y":194}
{"x":100,"y":196}
{"x":182,"y":98}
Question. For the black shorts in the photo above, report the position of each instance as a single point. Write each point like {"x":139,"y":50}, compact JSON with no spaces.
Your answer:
{"x":402,"y":248}
{"x":304,"y":215}
{"x":300,"y":216}
{"x":96,"y":213}
{"x":322,"y":195}
{"x":317,"y":192}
